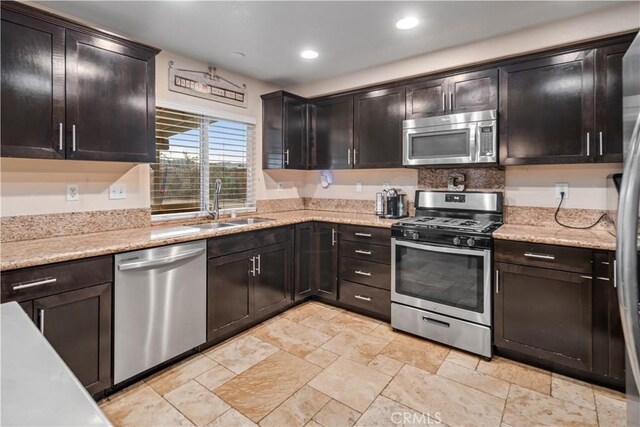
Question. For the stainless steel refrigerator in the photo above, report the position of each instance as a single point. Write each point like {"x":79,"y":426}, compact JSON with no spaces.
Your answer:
{"x":628,"y":251}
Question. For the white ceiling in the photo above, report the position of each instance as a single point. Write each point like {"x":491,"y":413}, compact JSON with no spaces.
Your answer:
{"x":348,"y":35}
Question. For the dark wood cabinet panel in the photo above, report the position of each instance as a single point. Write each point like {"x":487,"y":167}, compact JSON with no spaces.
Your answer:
{"x":545,"y":314}
{"x":374,"y":300}
{"x":546,"y":110}
{"x":273,"y":279}
{"x":427,"y":99}
{"x":272,"y":132}
{"x":366,"y":235}
{"x":365,"y":272}
{"x":305,"y":283}
{"x":377,"y":134}
{"x":365,"y":251}
{"x":78,"y":326}
{"x":32,"y":87}
{"x":326,"y":249}
{"x":476,"y":91}
{"x":284,"y":131}
{"x":229,"y":293}
{"x":332,"y":133}
{"x":564,"y":258}
{"x":110,"y":100}
{"x":608,"y":126}
{"x":241,"y":242}
{"x":295,"y":134}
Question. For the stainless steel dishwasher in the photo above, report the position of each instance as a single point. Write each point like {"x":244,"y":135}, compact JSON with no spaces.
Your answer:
{"x":159,"y":306}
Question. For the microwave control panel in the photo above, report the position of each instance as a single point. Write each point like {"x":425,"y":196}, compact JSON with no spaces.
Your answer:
{"x":486,"y":140}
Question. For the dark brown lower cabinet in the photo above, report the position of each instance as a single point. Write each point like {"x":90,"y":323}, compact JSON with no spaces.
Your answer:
{"x":273,"y":279}
{"x":77,"y":324}
{"x":326,"y":248}
{"x":305,"y":283}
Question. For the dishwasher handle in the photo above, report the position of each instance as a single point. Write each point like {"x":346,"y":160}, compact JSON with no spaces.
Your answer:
{"x":157,"y":262}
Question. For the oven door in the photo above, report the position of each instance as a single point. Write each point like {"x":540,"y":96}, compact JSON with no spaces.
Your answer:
{"x":452,"y":281}
{"x":437,"y":145}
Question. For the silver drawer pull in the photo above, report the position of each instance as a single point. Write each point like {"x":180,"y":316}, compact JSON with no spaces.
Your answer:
{"x":606,"y":279}
{"x":362,"y":273}
{"x":586,"y":277}
{"x":363,"y":234}
{"x":435,"y":322}
{"x":38,"y":282}
{"x":615,"y":274}
{"x":539,"y":256}
{"x":360,"y":251}
{"x":61,"y":136}
{"x":42,"y":321}
{"x":363,"y":298}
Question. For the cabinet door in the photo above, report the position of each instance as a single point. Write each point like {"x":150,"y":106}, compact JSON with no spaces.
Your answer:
{"x":295,"y":134}
{"x":272,"y":286}
{"x":326,"y":247}
{"x":32,"y":88}
{"x":545,"y":314}
{"x":77,"y":324}
{"x":332,"y":130}
{"x":272,"y":132}
{"x":476,"y":91}
{"x":305,"y":262}
{"x":616,"y":336}
{"x":378,"y":128}
{"x":229,"y":293}
{"x":426,"y":99}
{"x":546,"y":110}
{"x":609,"y":102}
{"x":110,"y":100}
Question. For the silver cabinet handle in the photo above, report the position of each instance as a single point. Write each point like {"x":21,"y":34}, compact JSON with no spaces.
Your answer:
{"x":363,"y":234}
{"x":253,"y":266}
{"x":444,"y":102}
{"x":540,"y":256}
{"x":588,"y":144}
{"x":362,"y":273}
{"x":606,"y":279}
{"x":360,"y":251}
{"x":61,"y":136}
{"x":333,"y":237}
{"x":450,"y":101}
{"x":41,"y":317}
{"x":363,"y":298}
{"x":38,"y":282}
{"x":286,"y":156}
{"x":348,"y":156}
{"x":73,"y":138}
{"x":497,"y":281}
{"x":615,"y":275}
{"x":160,"y":261}
{"x":601,"y":149}
{"x":259,"y":265}
{"x":586,"y":277}
{"x":355,"y":159}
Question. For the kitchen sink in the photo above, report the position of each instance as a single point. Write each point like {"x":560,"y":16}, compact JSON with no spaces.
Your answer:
{"x":247,"y":221}
{"x":212,"y":226}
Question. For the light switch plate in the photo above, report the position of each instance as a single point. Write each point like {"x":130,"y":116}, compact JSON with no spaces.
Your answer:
{"x":73,"y":192}
{"x":280,"y":186}
{"x":118,"y":191}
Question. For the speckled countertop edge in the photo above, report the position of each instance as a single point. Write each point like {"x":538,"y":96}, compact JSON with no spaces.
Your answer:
{"x":589,"y":239}
{"x":30,"y":253}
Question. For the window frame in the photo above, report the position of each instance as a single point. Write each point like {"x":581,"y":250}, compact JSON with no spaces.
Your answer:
{"x":204,"y":159}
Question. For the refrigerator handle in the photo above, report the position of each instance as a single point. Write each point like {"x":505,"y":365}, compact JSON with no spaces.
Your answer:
{"x":627,"y":252}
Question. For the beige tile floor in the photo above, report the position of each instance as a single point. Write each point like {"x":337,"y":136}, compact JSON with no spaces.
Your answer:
{"x":316,"y":365}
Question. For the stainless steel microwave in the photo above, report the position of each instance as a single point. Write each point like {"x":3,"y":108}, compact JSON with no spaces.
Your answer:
{"x":450,"y":140}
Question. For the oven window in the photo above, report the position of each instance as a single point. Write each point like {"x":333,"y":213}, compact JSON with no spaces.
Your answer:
{"x":453,"y":143}
{"x":455,"y":280}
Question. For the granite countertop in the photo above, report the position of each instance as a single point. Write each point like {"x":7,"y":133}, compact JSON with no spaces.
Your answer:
{"x":37,"y":387}
{"x":29,"y":253}
{"x":591,"y":239}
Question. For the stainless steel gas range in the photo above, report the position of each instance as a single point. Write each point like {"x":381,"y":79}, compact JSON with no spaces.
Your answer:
{"x":441,"y":268}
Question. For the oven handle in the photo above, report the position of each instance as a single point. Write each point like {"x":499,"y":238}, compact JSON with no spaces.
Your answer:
{"x":441,"y":249}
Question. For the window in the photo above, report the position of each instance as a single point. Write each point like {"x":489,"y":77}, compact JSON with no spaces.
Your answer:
{"x":192,"y":151}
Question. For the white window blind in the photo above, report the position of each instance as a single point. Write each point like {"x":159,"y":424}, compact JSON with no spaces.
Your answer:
{"x":192,"y":151}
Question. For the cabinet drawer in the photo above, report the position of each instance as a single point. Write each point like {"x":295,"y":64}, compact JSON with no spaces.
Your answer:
{"x":365,"y":297}
{"x":365,"y":272}
{"x":35,"y":282}
{"x":546,"y":256}
{"x":365,"y":251}
{"x":374,"y":235}
{"x":244,"y":241}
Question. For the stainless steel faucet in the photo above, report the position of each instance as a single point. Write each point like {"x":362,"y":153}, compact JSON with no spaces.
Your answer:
{"x":215,"y":212}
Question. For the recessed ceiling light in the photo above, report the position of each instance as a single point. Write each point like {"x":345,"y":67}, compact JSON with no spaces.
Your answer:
{"x":309,"y":54}
{"x":407,"y":23}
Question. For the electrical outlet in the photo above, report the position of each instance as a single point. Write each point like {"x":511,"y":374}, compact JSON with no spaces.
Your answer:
{"x":280,"y":186}
{"x":562,"y":187}
{"x":358,"y":187}
{"x":118,"y":191}
{"x":72,"y":192}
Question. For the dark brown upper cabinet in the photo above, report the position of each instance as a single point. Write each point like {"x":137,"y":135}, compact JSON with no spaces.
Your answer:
{"x":332,"y":133}
{"x":377,"y":134}
{"x":69,"y":91}
{"x":461,"y":93}
{"x":608,"y":127}
{"x":284,"y":131}
{"x":32,"y":87}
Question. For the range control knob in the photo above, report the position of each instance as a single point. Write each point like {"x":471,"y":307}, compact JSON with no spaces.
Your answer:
{"x":471,"y":242}
{"x":456,"y":241}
